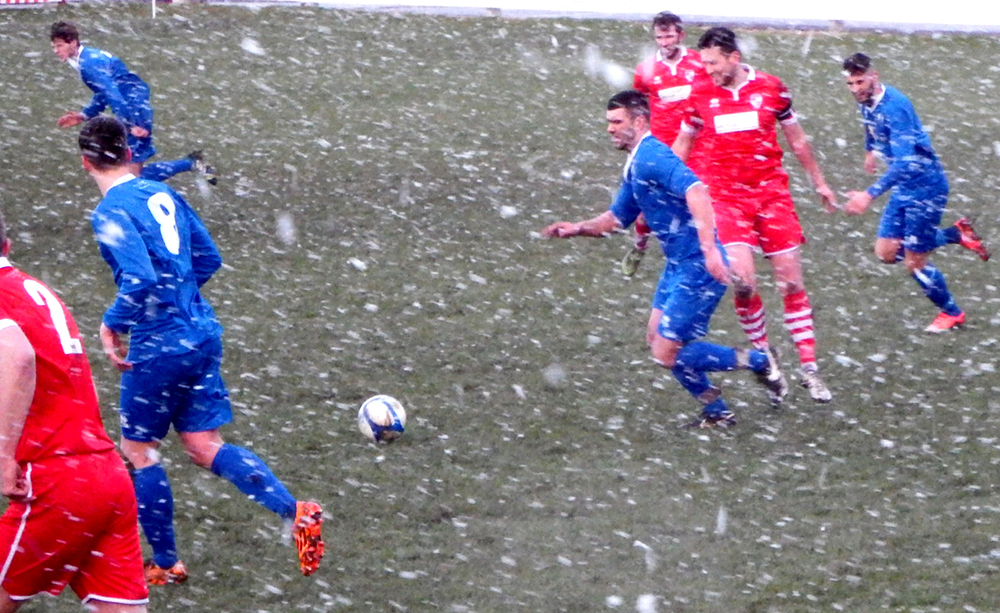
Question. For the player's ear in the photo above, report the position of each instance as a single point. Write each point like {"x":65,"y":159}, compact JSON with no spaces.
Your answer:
{"x":86,"y":163}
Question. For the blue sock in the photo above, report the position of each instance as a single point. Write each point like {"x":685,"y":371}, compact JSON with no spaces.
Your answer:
{"x":161,"y":171}
{"x":931,"y":280}
{"x":948,"y":236}
{"x":156,"y":513}
{"x":695,"y":359}
{"x":251,"y":475}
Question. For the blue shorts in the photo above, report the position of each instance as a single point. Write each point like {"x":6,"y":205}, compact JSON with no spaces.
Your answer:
{"x":687,"y":295}
{"x":912,"y":216}
{"x":184,"y":390}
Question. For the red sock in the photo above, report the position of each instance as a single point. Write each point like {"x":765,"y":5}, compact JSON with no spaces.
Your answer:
{"x":642,"y":233}
{"x":799,"y":323}
{"x":750,"y":312}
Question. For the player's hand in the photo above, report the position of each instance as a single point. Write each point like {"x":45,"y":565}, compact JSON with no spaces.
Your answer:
{"x":70,"y":119}
{"x":561,"y":229}
{"x":138,"y":132}
{"x":114,"y":349}
{"x":857,"y":202}
{"x":828,"y":197}
{"x":13,"y":485}
{"x":716,"y":265}
{"x":871,"y":162}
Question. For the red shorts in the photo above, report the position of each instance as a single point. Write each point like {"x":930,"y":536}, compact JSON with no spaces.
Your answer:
{"x":761,"y":215}
{"x":80,"y":529}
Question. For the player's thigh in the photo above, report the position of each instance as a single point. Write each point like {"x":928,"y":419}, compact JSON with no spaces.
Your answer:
{"x":777,"y":223}
{"x":208,"y":406}
{"x":112,"y":570}
{"x":922,"y":215}
{"x":152,"y":393}
{"x":892,"y":224}
{"x":735,"y":216}
{"x":690,"y":300}
{"x":49,"y":542}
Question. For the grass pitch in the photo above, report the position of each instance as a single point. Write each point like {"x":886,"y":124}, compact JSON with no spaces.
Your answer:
{"x":383,"y":180}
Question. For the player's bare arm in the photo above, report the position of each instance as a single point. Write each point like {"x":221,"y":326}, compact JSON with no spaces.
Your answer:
{"x":871,"y":162}
{"x":17,"y":388}
{"x":700,"y":205}
{"x":682,"y":145}
{"x":596,"y":227}
{"x":114,"y":348}
{"x":70,"y":119}
{"x":799,"y":143}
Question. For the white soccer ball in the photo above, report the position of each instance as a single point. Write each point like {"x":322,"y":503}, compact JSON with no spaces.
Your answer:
{"x":381,"y":418}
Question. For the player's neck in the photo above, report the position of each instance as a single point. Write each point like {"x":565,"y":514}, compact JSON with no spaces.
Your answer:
{"x":106,"y":179}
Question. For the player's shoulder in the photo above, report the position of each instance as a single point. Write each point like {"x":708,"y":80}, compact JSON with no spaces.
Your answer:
{"x":693,"y":59}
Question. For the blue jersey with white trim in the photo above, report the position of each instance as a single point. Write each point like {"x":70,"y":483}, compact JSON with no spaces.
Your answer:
{"x":160,"y":254}
{"x":893,"y":130}
{"x":655,"y":183}
{"x":114,"y":86}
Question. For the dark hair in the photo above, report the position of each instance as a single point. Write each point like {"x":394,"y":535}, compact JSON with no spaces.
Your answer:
{"x":104,"y":142}
{"x":635,"y":102}
{"x":666,"y":19}
{"x":723,"y":38}
{"x":3,"y":232}
{"x":64,"y":30}
{"x":859,"y":63}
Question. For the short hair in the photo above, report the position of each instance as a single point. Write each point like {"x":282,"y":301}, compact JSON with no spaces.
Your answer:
{"x":666,"y":19}
{"x":64,"y":30}
{"x":104,"y":142}
{"x":859,"y":63}
{"x":723,"y":38}
{"x":633,"y":101}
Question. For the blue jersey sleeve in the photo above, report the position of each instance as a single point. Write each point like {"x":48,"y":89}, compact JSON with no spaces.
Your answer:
{"x":205,"y":257}
{"x":123,"y":249}
{"x":625,"y":207}
{"x":908,"y":147}
{"x":97,"y":69}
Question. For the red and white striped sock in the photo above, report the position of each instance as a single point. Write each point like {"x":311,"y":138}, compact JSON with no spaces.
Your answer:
{"x":799,"y":323}
{"x":750,"y":312}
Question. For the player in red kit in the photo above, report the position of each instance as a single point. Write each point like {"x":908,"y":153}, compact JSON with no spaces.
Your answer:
{"x":736,"y":116}
{"x":666,"y":78}
{"x":72,"y":514}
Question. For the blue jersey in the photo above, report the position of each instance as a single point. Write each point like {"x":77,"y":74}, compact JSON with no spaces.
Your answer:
{"x":161,"y":254}
{"x":893,"y":130}
{"x":655,"y":183}
{"x":114,"y":86}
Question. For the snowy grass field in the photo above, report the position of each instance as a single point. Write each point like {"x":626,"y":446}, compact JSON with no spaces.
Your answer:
{"x":383,"y":180}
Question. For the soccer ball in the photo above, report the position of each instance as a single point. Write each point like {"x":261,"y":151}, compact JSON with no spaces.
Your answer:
{"x":381,"y":418}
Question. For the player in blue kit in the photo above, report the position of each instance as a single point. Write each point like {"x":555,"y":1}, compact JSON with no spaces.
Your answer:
{"x":161,"y":254}
{"x":678,"y":210}
{"x":127,"y":95}
{"x":909,"y":226}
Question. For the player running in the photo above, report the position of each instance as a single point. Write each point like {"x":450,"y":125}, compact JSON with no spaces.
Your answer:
{"x":161,"y":254}
{"x":72,"y":513}
{"x":736,"y":115}
{"x":127,"y":95}
{"x":666,"y":78}
{"x":909,"y":226}
{"x":678,"y":210}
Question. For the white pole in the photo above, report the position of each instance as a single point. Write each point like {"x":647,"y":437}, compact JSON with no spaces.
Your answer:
{"x":153,"y":3}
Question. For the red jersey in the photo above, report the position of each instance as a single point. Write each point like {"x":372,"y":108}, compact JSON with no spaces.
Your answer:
{"x":739,"y":127}
{"x":64,"y":418}
{"x":668,"y":85}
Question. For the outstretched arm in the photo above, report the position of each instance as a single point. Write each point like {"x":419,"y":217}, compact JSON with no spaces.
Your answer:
{"x":799,"y":143}
{"x":596,"y":227}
